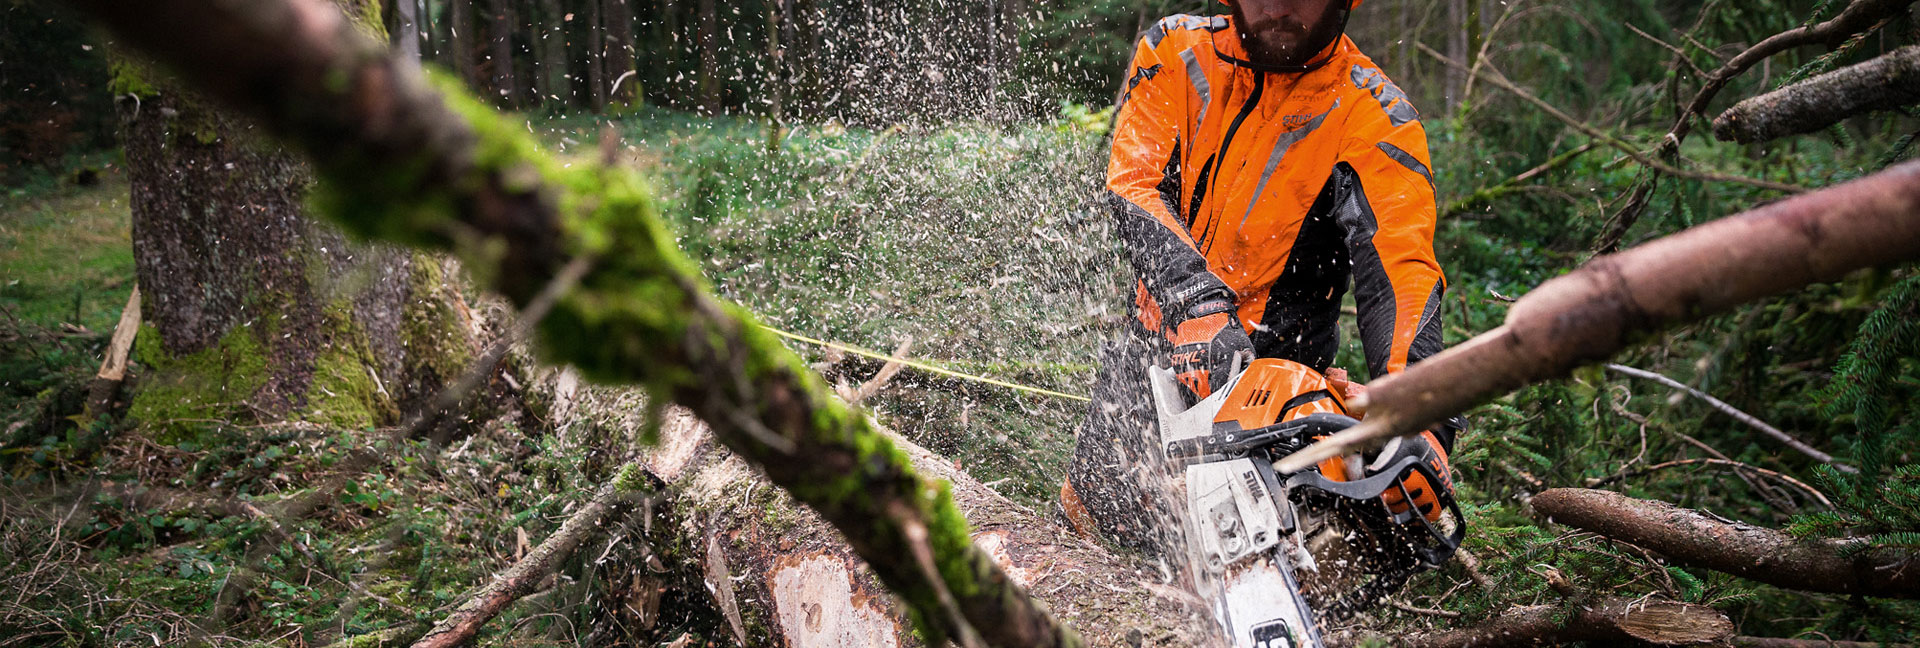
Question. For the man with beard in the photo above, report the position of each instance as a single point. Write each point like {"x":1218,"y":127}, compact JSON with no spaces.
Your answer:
{"x":1260,"y":165}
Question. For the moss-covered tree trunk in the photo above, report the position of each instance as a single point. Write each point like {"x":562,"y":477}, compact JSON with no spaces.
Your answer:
{"x":253,"y":310}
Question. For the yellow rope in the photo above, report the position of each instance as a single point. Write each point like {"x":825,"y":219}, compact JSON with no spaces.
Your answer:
{"x":922,"y":365}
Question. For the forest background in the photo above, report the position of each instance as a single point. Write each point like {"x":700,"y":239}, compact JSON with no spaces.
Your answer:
{"x":890,"y":175}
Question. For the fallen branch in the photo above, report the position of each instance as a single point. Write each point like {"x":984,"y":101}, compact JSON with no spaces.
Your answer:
{"x":1884,"y":83}
{"x":1737,"y":466}
{"x":1688,"y":537}
{"x":1734,"y":412}
{"x":113,"y":367}
{"x":404,"y":162}
{"x":1856,"y":17}
{"x":1607,"y":621}
{"x":520,"y":579}
{"x":1586,"y":315}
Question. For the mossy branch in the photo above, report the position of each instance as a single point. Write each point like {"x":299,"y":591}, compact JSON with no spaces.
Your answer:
{"x":1883,"y":83}
{"x":1612,"y":301}
{"x":404,"y":161}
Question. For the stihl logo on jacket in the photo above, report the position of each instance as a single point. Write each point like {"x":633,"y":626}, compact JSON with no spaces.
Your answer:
{"x":1282,"y":188}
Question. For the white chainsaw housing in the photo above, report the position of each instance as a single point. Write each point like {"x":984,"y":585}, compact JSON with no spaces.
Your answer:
{"x":1235,"y":526}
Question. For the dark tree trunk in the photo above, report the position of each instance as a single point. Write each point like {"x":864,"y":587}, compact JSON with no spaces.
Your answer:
{"x":460,"y":49}
{"x":551,"y":44}
{"x":618,"y":16}
{"x":709,"y":58}
{"x":500,"y":28}
{"x":255,"y":312}
{"x":596,"y":56}
{"x":406,"y":28}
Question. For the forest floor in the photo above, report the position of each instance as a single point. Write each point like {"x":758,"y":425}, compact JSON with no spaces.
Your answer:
{"x":977,"y":245}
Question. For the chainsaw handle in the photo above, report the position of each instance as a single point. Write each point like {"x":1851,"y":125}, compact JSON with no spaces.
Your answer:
{"x":1372,"y":488}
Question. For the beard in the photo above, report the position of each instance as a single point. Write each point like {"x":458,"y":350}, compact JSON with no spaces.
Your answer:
{"x":1288,"y":43}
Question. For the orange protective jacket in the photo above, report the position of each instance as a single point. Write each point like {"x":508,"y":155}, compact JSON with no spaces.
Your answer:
{"x":1276,"y":187}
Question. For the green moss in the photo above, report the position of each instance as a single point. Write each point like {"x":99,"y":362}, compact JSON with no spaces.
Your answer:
{"x":129,"y":77}
{"x":210,"y":384}
{"x":431,"y":331}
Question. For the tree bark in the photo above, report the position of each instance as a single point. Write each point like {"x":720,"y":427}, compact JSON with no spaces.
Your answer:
{"x":1765,"y":555}
{"x":1587,"y":315}
{"x":256,"y":312}
{"x":1884,"y":83}
{"x":782,"y":576}
{"x":1608,"y":621}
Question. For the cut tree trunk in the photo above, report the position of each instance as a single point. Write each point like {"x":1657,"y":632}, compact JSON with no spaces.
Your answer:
{"x":781,"y":576}
{"x":1884,"y":83}
{"x":252,"y":311}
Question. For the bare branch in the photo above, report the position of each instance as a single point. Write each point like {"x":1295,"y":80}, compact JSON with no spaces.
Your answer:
{"x":1765,"y":555}
{"x":1738,"y":466}
{"x":1734,"y":412}
{"x":1883,"y":83}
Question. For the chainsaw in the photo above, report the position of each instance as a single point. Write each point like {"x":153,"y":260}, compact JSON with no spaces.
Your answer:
{"x":1284,"y":553}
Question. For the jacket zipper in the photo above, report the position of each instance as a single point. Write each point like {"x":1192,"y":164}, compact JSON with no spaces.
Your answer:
{"x":1226,"y":144}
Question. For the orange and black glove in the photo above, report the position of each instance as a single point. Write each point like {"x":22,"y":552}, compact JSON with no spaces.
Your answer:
{"x":1207,"y":344}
